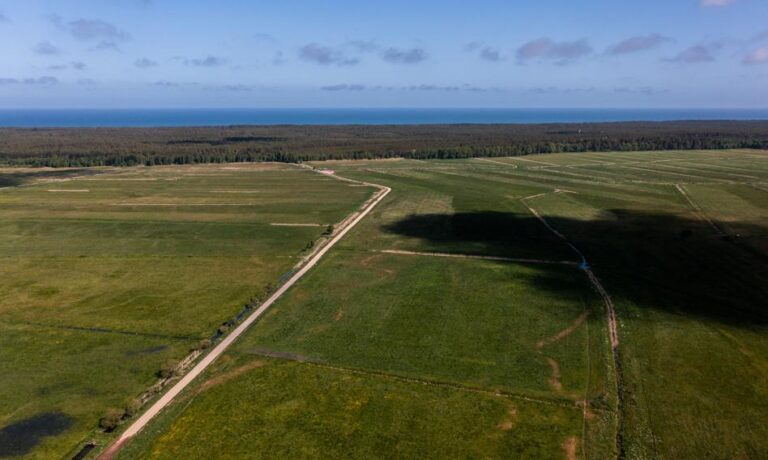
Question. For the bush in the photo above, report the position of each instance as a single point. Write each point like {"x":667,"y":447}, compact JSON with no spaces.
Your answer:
{"x":133,"y":408}
{"x":168,"y":369}
{"x":111,"y":419}
{"x":204,"y":344}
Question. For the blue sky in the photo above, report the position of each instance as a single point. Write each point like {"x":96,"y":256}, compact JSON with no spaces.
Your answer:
{"x":340,"y":53}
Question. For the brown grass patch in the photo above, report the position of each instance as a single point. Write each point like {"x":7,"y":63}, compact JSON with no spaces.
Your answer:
{"x":564,"y":333}
{"x":509,"y":422}
{"x":554,"y":381}
{"x":570,"y":446}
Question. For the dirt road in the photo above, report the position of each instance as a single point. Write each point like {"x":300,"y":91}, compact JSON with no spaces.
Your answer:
{"x":219,"y":349}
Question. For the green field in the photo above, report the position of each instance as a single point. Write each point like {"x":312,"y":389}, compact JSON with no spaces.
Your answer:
{"x":389,"y":348}
{"x":108,"y":274}
{"x":677,"y":238}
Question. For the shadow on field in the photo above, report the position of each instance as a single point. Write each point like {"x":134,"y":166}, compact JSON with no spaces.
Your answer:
{"x":660,"y":261}
{"x":21,"y":437}
{"x":16,"y":178}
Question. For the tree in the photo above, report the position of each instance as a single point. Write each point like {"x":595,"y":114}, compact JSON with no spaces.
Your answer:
{"x":111,"y":419}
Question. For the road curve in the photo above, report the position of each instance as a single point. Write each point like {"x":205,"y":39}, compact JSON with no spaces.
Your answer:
{"x":217,"y":351}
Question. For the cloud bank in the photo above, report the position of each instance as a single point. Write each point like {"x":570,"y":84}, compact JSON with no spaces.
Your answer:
{"x":637,"y":44}
{"x":548,"y":49}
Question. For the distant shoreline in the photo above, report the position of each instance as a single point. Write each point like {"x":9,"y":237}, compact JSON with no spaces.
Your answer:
{"x":179,"y":118}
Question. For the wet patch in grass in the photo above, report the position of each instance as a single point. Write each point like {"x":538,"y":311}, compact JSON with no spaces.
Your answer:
{"x":21,"y":437}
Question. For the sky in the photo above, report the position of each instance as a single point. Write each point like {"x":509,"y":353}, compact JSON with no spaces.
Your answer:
{"x":396,"y":53}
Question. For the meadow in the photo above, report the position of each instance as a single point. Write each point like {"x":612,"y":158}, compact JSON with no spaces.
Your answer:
{"x":678,"y":240}
{"x":456,"y":320}
{"x":109,"y":275}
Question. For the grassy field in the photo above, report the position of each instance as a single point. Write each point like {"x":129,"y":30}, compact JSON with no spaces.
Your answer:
{"x":390,"y":348}
{"x":283,"y":409}
{"x":107,"y":274}
{"x":677,"y":238}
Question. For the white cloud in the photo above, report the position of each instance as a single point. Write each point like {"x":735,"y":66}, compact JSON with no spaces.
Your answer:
{"x":716,"y":3}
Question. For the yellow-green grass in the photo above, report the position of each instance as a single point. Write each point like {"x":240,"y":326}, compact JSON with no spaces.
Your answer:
{"x":98,"y":265}
{"x":76,"y":373}
{"x":283,"y":409}
{"x":470,"y":322}
{"x":690,"y":299}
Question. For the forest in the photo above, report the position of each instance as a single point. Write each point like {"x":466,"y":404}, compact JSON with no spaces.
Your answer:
{"x":294,"y":143}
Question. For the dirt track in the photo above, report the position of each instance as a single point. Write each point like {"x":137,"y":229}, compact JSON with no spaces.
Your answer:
{"x":219,"y":349}
{"x":612,"y":322}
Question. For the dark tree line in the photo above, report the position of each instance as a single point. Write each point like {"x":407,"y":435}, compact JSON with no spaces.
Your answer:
{"x":168,"y":146}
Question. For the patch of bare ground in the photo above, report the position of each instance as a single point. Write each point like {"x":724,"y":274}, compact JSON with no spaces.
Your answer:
{"x":554,"y":381}
{"x":564,"y":333}
{"x":570,"y":446}
{"x":509,"y":421}
{"x":339,"y":314}
{"x":219,"y":379}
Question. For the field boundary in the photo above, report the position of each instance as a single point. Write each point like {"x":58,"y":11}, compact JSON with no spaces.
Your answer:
{"x":479,"y":257}
{"x":101,"y":330}
{"x":219,"y":349}
{"x":565,"y":402}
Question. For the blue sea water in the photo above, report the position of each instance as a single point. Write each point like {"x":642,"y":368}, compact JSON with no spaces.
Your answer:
{"x":91,"y":118}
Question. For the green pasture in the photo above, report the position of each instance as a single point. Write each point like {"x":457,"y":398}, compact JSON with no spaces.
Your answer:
{"x":108,"y":274}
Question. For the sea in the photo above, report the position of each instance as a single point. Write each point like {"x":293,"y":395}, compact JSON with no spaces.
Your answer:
{"x":94,"y":118}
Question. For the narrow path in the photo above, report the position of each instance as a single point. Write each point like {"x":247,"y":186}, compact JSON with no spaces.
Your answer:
{"x":219,"y":349}
{"x":612,"y":324}
{"x":697,"y":209}
{"x":471,"y":256}
{"x":565,"y":332}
